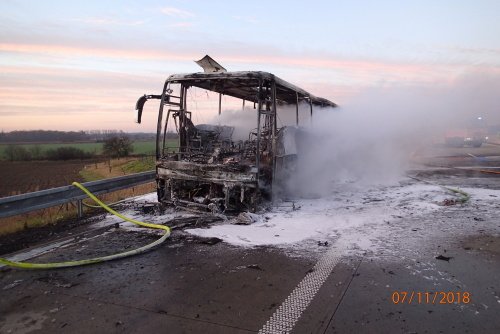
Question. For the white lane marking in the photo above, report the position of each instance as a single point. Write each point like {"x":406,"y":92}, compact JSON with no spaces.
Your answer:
{"x":38,"y":251}
{"x":26,"y":255}
{"x":284,"y":318}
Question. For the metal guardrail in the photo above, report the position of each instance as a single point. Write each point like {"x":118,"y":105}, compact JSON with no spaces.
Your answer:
{"x":18,"y":204}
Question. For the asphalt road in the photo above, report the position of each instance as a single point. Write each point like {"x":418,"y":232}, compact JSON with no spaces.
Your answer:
{"x":193,"y":285}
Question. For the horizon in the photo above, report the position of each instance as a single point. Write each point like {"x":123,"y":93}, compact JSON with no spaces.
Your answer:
{"x":84,"y":131}
{"x":67,"y":66}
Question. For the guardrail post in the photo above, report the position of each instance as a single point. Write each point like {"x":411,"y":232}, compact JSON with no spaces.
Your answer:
{"x":79,"y":206}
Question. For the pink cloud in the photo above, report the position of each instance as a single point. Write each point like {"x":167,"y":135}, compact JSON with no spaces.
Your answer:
{"x":356,"y":70}
{"x":87,"y":97}
{"x":92,"y":51}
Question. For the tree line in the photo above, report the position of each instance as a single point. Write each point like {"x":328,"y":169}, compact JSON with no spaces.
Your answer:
{"x":115,"y":147}
{"x":21,"y":153}
{"x":45,"y":136}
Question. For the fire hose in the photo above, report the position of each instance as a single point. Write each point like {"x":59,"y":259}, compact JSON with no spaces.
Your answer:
{"x":29,"y":265}
{"x":464,"y":197}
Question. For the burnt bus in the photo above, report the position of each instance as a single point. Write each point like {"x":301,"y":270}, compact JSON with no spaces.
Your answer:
{"x":208,"y":170}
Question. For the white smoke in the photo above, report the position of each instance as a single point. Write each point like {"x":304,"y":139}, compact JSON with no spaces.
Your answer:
{"x":372,"y":138}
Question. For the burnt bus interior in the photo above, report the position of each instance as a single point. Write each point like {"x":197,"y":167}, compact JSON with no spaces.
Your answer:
{"x":211,"y":171}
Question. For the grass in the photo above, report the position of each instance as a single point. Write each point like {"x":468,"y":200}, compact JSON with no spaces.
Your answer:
{"x":90,"y":175}
{"x":95,"y":148}
{"x":140,"y":147}
{"x":145,"y":147}
{"x":117,"y":167}
{"x":149,"y":147}
{"x":138,"y":166}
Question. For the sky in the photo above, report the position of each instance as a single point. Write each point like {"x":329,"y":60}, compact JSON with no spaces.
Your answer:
{"x":81,"y":65}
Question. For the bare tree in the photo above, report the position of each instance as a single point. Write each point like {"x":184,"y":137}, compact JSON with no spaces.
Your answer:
{"x":118,"y":146}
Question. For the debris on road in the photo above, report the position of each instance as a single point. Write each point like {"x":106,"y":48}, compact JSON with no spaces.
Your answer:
{"x":210,"y":241}
{"x":449,"y":202}
{"x":247,"y":218}
{"x":254,"y":266}
{"x":13,"y":284}
{"x":57,"y":281}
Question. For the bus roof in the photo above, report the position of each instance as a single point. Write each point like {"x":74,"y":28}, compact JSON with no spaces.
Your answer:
{"x":245,"y":84}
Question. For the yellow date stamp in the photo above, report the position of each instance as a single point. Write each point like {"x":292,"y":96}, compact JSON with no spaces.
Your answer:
{"x":431,"y":297}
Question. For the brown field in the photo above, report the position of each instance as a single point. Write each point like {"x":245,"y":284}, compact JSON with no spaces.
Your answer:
{"x":19,"y":177}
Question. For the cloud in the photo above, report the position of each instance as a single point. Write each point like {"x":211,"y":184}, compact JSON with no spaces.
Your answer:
{"x":47,"y":86}
{"x":71,"y":92}
{"x":306,"y":69}
{"x":493,"y":51}
{"x":108,"y":52}
{"x":360,"y":66}
{"x":176,"y":12}
{"x":49,"y":98}
{"x":106,"y":21}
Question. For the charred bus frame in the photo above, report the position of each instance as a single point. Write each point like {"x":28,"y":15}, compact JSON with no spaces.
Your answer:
{"x":209,"y":170}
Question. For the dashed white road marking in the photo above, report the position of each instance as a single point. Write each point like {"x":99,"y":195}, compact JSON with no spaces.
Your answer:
{"x":288,"y":313}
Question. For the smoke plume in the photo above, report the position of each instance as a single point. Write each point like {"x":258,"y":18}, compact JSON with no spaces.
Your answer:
{"x":372,"y":137}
